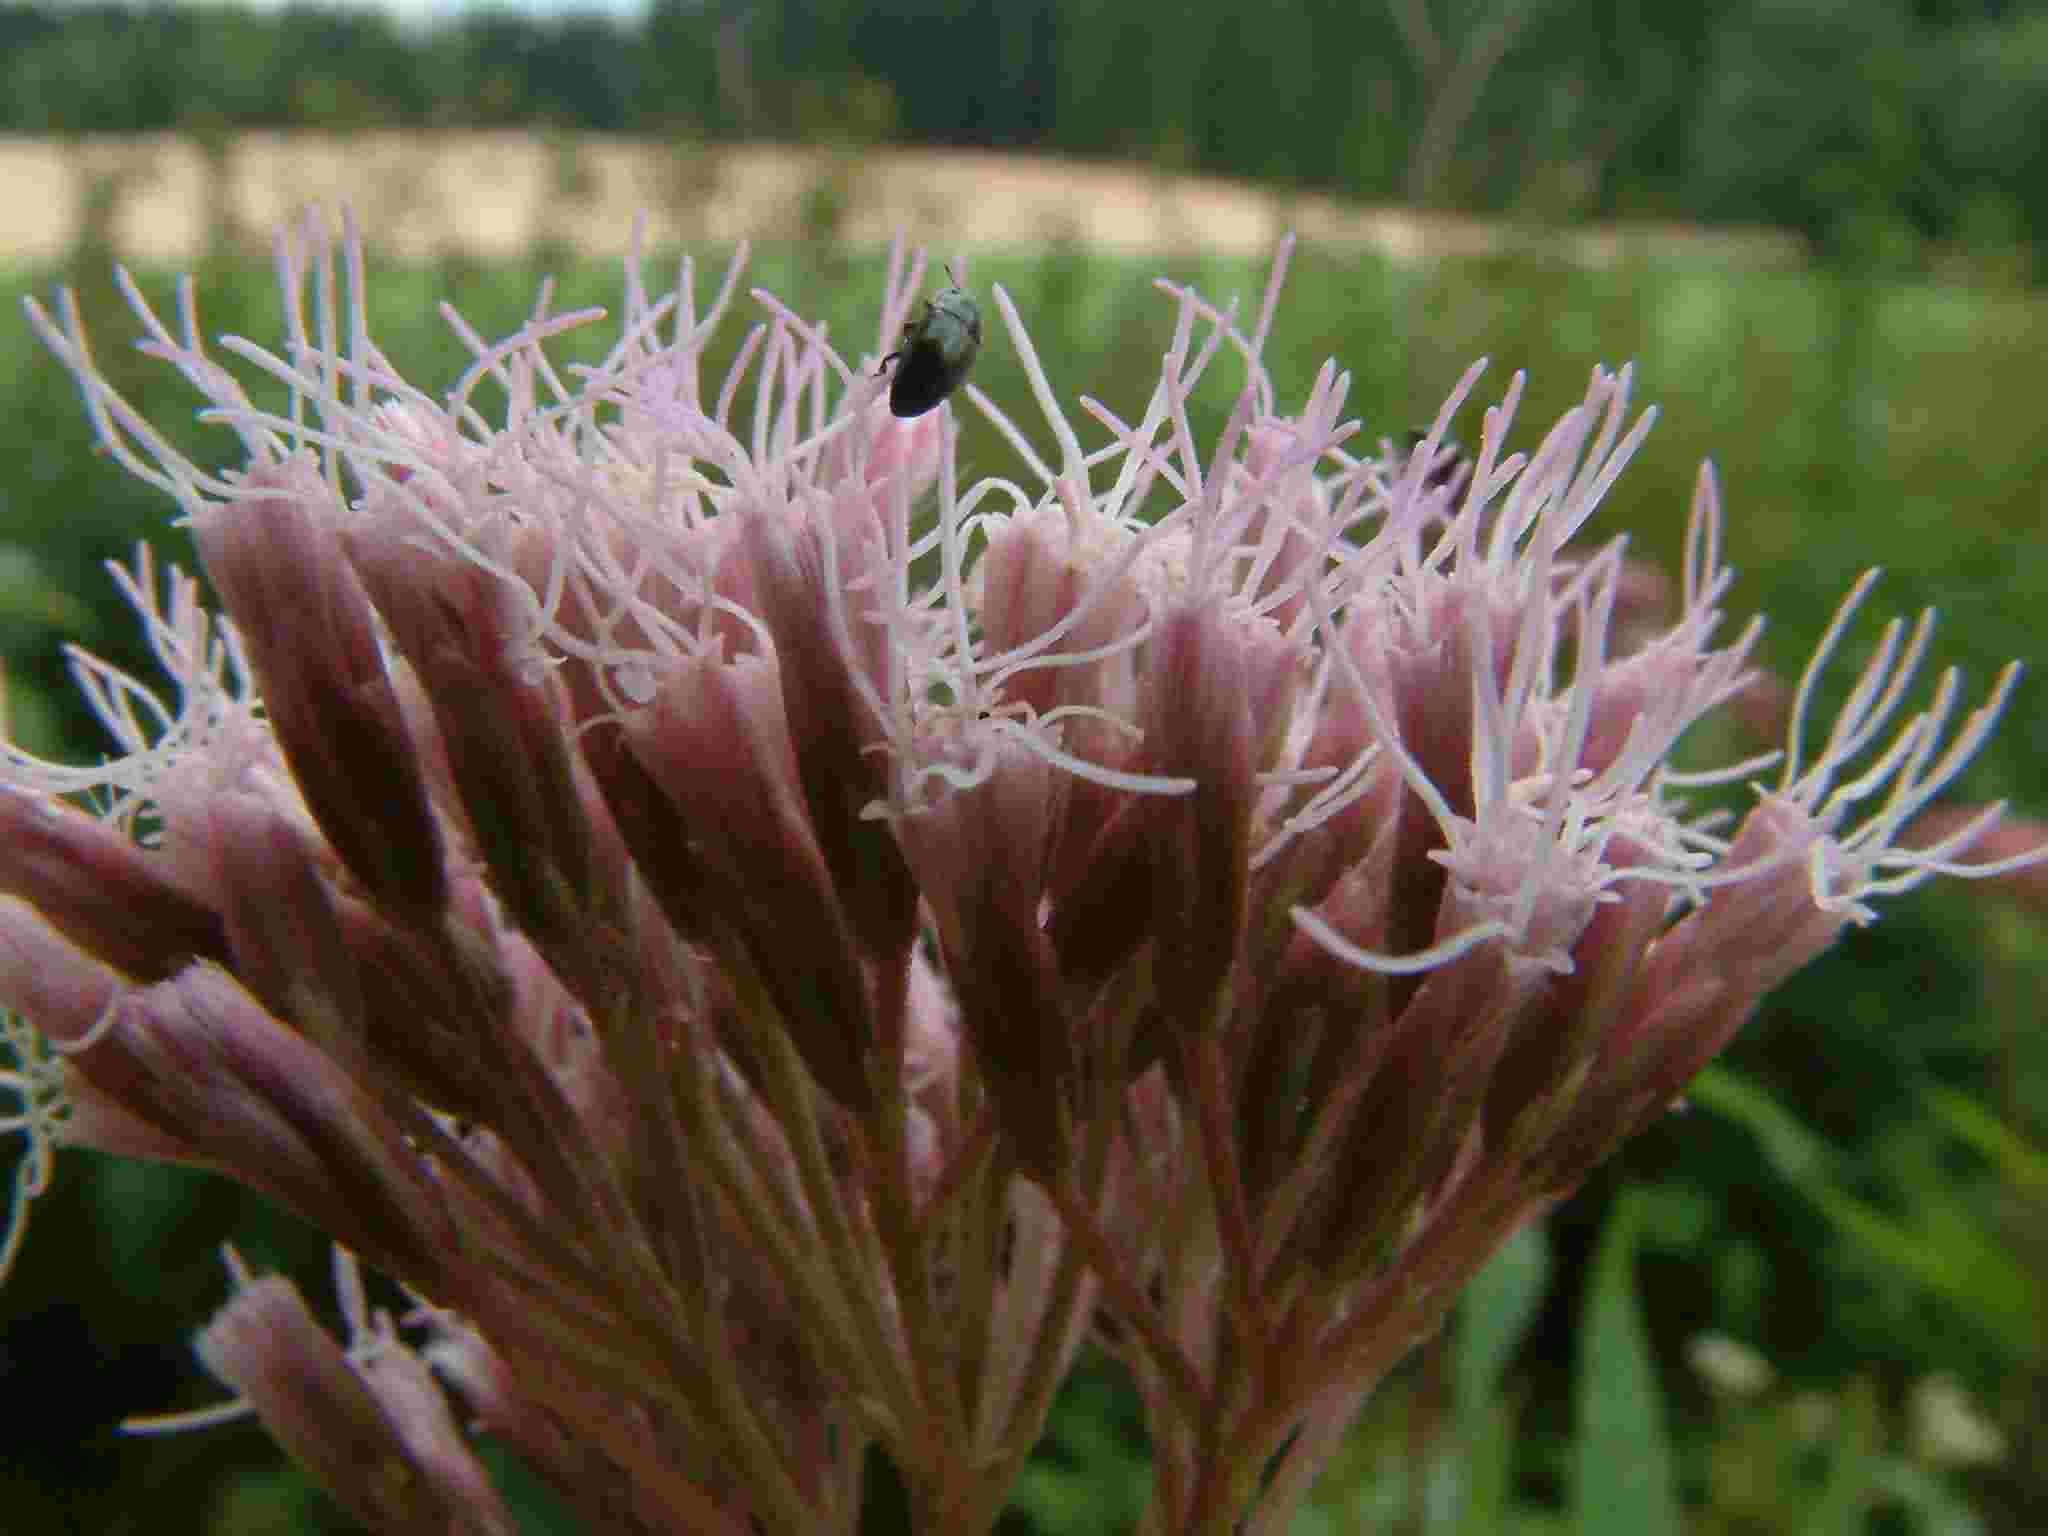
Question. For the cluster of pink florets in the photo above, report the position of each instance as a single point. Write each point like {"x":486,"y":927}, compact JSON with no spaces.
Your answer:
{"x":768,"y":944}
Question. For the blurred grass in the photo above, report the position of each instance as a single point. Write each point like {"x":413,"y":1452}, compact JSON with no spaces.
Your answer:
{"x":1852,"y":424}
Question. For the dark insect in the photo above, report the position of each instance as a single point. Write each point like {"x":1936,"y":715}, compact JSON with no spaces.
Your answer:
{"x":937,"y":349}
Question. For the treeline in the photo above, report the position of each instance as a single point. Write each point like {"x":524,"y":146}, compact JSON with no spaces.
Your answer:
{"x":1883,"y":129}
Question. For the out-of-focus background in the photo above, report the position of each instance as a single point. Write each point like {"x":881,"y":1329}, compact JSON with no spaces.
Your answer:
{"x":1813,"y":1304}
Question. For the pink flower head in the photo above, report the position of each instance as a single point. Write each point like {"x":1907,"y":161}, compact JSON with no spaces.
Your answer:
{"x":772,"y":943}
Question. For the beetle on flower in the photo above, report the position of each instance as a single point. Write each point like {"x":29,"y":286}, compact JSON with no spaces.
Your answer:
{"x":938,"y":347}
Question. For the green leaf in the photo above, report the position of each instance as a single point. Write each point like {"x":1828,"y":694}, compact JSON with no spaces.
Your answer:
{"x":1799,"y":1155}
{"x":1493,"y":1316}
{"x":1843,"y":1508}
{"x":2024,"y":1165}
{"x":1942,"y":1248}
{"x":1946,"y":1254}
{"x":1623,"y":1479}
{"x":1495,"y":1312}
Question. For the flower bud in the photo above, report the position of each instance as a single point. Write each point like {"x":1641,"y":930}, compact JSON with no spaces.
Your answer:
{"x":716,"y":740}
{"x":107,"y":895}
{"x":379,"y":1441}
{"x":312,"y":638}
